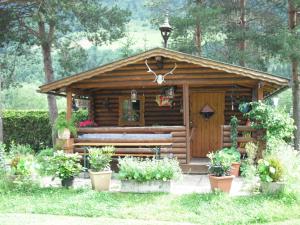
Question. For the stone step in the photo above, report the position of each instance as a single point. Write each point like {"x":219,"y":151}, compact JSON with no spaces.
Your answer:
{"x":193,"y":168}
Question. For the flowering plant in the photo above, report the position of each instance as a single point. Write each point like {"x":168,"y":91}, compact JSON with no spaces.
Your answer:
{"x":87,"y":123}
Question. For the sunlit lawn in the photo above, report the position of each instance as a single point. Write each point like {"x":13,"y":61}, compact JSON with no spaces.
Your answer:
{"x":195,"y":208}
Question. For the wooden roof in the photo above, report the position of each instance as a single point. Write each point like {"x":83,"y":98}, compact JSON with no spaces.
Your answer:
{"x":109,"y":74}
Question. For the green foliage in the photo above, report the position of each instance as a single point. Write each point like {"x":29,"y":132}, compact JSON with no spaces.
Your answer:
{"x":278,"y":124}
{"x":234,"y":132}
{"x":42,"y":159}
{"x":289,"y":159}
{"x":248,"y":167}
{"x":233,"y":153}
{"x":19,"y":149}
{"x":61,"y":123}
{"x":27,"y":127}
{"x":270,"y":170}
{"x":99,"y":158}
{"x":2,"y":156}
{"x":220,"y":163}
{"x":64,"y":165}
{"x":148,"y":170}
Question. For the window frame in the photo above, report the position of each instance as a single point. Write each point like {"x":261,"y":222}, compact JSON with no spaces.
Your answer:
{"x":141,"y":122}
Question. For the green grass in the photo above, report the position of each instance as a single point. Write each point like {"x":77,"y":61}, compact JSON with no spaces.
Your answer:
{"x":195,"y":208}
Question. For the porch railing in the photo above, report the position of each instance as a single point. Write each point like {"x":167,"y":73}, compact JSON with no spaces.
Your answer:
{"x":245,"y":134}
{"x":142,"y":144}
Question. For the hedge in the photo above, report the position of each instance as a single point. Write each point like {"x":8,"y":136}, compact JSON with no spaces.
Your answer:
{"x":30,"y":127}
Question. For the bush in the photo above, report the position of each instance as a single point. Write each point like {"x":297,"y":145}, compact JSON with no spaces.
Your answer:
{"x":149,"y":169}
{"x":43,"y":158}
{"x":270,"y":170}
{"x":31,"y":127}
{"x":99,"y":158}
{"x":27,"y":127}
{"x":248,"y":168}
{"x":233,"y":153}
{"x":64,"y":165}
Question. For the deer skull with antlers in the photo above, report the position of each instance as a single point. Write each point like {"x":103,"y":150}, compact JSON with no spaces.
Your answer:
{"x":159,"y":78}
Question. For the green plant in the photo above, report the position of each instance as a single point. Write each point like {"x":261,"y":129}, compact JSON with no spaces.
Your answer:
{"x":62,"y":123}
{"x":99,"y":158}
{"x":20,"y":149}
{"x":234,"y":154}
{"x":220,"y":163}
{"x":43,"y":158}
{"x":277,"y":123}
{"x":149,"y":169}
{"x":270,"y":170}
{"x":64,"y":165}
{"x":248,"y":168}
{"x":234,"y":131}
{"x":27,"y":128}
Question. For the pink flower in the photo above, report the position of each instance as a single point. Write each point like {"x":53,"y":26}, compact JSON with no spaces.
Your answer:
{"x":86,"y":123}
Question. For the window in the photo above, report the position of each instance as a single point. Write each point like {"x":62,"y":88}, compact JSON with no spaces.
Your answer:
{"x":131,"y":113}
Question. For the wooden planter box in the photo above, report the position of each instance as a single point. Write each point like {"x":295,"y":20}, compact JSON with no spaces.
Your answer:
{"x":145,"y":187}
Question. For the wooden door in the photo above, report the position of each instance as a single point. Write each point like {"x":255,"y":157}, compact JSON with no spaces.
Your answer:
{"x":206,"y":135}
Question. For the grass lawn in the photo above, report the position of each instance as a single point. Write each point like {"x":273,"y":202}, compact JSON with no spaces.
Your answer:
{"x":195,"y":208}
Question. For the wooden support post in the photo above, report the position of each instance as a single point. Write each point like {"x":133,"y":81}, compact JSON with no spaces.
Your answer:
{"x":186,"y":119}
{"x":91,"y":108}
{"x":69,"y":104}
{"x":260,"y":91}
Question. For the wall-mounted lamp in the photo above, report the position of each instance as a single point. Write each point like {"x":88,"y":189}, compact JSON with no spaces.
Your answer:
{"x":207,"y":112}
{"x":133,"y":96}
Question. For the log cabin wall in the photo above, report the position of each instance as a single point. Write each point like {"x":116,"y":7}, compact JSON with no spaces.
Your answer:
{"x":106,"y":107}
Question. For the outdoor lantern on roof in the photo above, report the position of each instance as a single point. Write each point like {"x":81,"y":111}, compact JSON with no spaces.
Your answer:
{"x":165,"y":30}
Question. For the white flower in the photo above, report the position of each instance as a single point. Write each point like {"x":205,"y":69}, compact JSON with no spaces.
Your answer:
{"x":272,"y":170}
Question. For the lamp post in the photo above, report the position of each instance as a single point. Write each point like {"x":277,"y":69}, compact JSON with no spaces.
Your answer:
{"x":165,"y":30}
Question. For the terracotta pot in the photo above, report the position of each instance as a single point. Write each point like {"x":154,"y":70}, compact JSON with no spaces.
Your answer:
{"x":221,"y":183}
{"x":67,"y":182}
{"x":235,"y":169}
{"x":64,"y":134}
{"x":100,"y":180}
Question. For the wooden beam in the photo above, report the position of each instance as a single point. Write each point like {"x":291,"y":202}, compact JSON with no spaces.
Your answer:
{"x":69,"y":104}
{"x":260,"y":91}
{"x":186,"y":118}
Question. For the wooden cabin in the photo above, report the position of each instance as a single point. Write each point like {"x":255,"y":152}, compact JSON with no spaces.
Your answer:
{"x":186,"y":115}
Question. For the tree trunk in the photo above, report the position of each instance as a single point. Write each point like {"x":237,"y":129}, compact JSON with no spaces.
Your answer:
{"x":242,"y":23}
{"x":295,"y":78}
{"x":198,"y":32}
{"x":48,"y":69}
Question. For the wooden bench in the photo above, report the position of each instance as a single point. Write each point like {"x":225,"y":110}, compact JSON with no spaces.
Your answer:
{"x":156,"y":144}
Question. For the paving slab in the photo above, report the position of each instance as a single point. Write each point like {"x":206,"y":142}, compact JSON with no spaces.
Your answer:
{"x":186,"y":185}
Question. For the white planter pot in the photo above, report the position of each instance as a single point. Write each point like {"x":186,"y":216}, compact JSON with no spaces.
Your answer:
{"x":64,"y":134}
{"x":272,"y":187}
{"x":100,"y":180}
{"x":145,"y":187}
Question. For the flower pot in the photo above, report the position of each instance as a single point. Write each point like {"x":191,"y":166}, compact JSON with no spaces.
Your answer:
{"x":221,"y":183}
{"x":145,"y":187}
{"x":68,"y":182}
{"x":100,"y":180}
{"x":64,"y":134}
{"x":272,"y":187}
{"x":235,"y":169}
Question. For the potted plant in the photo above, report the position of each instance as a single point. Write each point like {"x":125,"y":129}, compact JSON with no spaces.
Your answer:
{"x":270,"y":172}
{"x":65,"y":166}
{"x":219,"y":171}
{"x":64,"y":127}
{"x":100,"y":172}
{"x":235,"y":158}
{"x":147,"y":175}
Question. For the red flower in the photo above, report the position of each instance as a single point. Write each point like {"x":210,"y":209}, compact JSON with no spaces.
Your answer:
{"x":86,"y":123}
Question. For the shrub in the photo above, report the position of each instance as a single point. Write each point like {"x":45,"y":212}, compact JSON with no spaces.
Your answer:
{"x":64,"y":165}
{"x":149,"y":169}
{"x":27,"y":127}
{"x":20,"y":149}
{"x":32,"y":127}
{"x":277,"y":123}
{"x":233,"y":153}
{"x":220,"y":164}
{"x":99,"y":158}
{"x":43,"y":158}
{"x":270,"y":170}
{"x":248,"y":168}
